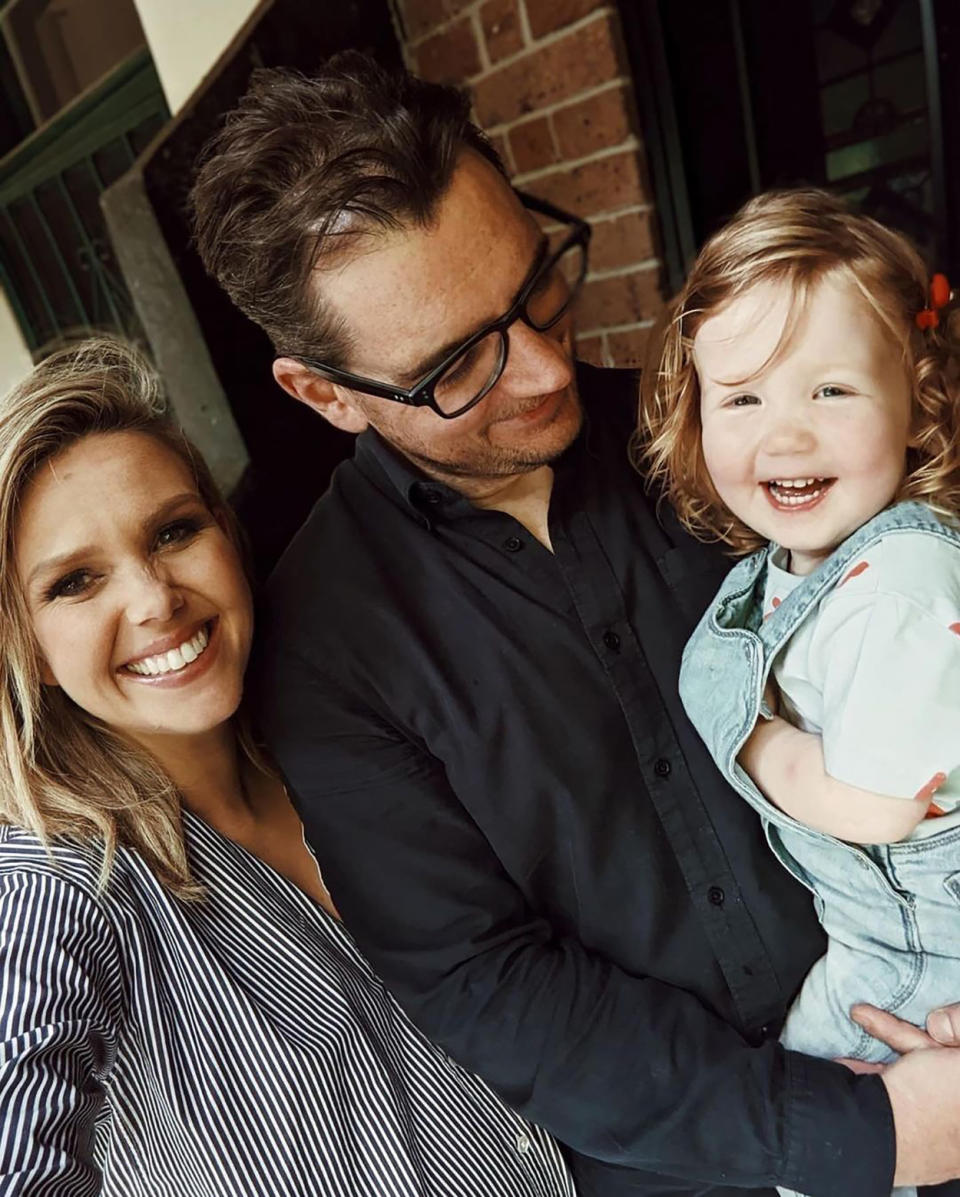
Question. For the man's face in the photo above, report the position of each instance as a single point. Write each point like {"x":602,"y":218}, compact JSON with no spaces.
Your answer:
{"x":411,"y":294}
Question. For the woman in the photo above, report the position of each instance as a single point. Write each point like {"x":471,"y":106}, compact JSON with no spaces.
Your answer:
{"x":181,"y":1011}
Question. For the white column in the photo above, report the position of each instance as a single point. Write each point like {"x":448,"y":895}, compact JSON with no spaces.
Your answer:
{"x":186,"y":37}
{"x":15,"y":359}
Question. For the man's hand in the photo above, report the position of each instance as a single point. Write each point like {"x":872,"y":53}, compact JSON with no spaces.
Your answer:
{"x":924,"y":1091}
{"x":943,"y":1028}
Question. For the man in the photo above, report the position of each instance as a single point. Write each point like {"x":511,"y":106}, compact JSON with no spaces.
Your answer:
{"x":470,"y":664}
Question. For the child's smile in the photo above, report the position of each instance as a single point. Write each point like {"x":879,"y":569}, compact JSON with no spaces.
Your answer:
{"x":796,"y":494}
{"x":805,"y":415}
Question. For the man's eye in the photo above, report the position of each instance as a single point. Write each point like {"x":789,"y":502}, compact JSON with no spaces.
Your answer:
{"x":179,"y":532}
{"x":546,"y":280}
{"x":71,"y":585}
{"x":460,"y":368}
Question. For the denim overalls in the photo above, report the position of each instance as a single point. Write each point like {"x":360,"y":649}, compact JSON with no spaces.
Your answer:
{"x":891,"y":911}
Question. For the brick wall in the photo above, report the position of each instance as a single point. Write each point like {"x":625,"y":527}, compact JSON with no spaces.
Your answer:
{"x":551,"y":86}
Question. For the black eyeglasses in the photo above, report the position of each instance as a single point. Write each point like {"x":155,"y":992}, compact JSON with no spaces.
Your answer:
{"x":473,"y":368}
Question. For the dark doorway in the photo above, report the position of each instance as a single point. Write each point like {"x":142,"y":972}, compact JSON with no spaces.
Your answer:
{"x":292,"y":450}
{"x":859,"y":96}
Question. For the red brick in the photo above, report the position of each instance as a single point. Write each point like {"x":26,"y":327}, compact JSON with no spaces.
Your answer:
{"x":621,"y":241}
{"x":532,"y":145}
{"x":501,"y":28}
{"x":590,"y":349}
{"x":552,"y":73}
{"x":547,"y":15}
{"x":602,"y":185}
{"x":594,"y":124}
{"x":420,"y":16}
{"x":629,"y":346}
{"x":622,"y":299}
{"x":450,"y":56}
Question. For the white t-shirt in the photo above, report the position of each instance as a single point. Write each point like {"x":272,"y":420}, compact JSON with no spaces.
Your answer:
{"x":875,"y":671}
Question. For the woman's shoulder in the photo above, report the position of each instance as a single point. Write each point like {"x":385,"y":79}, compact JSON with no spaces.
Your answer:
{"x":61,"y":863}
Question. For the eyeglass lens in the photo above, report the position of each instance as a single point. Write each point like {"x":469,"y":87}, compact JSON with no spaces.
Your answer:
{"x":475,"y":372}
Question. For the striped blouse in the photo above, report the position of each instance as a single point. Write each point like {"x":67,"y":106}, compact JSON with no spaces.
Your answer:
{"x":237,"y":1046}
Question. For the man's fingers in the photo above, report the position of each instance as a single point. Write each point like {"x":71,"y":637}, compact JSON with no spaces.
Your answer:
{"x":898,"y":1035}
{"x":944,"y":1025}
{"x":860,"y":1065}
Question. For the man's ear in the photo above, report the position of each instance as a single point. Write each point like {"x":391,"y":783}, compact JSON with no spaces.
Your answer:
{"x":332,"y":402}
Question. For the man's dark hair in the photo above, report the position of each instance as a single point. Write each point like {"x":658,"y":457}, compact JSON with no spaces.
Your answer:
{"x":302,"y":166}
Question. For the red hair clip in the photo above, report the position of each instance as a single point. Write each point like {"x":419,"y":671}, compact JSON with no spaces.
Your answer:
{"x":940,"y":295}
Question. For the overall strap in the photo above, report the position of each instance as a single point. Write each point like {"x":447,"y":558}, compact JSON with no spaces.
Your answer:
{"x":901,"y":517}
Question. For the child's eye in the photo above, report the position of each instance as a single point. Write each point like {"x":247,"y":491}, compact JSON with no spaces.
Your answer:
{"x":830,"y":391}
{"x":179,"y":532}
{"x":742,"y":401}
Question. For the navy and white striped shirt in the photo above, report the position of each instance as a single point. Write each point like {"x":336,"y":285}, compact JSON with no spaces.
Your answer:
{"x":235,"y":1047}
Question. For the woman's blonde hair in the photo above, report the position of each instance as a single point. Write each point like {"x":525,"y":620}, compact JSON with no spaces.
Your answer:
{"x":62,"y":771}
{"x":797,"y":237}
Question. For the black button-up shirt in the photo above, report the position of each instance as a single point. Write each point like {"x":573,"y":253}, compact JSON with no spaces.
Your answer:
{"x":528,"y":839}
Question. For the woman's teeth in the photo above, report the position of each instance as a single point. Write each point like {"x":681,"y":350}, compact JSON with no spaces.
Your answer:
{"x":175,"y":659}
{"x":796,"y":492}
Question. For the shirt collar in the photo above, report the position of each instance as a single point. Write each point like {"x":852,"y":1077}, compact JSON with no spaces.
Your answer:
{"x":427,"y":498}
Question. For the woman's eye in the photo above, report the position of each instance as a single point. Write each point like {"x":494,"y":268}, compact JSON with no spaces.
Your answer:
{"x":178,"y":532}
{"x":71,"y":585}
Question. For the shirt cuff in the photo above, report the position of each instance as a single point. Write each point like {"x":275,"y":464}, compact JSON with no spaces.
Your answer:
{"x":840,"y":1134}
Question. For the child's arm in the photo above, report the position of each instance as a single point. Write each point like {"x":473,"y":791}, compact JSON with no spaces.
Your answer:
{"x":786,"y":765}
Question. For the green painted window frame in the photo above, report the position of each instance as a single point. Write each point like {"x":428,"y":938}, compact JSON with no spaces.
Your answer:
{"x":106,"y":115}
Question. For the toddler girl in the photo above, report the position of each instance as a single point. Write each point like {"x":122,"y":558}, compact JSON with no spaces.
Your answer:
{"x":806,"y":411}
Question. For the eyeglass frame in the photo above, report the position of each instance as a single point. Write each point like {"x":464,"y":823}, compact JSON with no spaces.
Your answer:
{"x":421,"y":394}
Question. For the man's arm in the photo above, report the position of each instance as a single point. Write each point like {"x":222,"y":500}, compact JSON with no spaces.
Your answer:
{"x":921,"y":1160}
{"x":623,"y":1068}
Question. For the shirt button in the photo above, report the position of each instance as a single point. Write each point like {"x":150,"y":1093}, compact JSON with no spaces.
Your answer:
{"x":523,"y":1143}
{"x":662,"y":767}
{"x":612,"y":641}
{"x":513,"y":544}
{"x":715,"y":895}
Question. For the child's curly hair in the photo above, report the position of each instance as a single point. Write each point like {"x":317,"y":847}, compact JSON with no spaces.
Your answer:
{"x":798,"y":237}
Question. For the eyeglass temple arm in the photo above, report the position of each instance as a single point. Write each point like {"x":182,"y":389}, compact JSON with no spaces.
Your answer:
{"x":535,"y":204}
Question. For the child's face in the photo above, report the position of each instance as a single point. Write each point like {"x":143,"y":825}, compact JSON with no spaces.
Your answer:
{"x":815,"y":443}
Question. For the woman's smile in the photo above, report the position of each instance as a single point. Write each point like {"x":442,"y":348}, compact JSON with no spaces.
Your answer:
{"x":189,"y":656}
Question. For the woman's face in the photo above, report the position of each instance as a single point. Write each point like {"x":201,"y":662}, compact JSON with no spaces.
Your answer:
{"x":138,"y":601}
